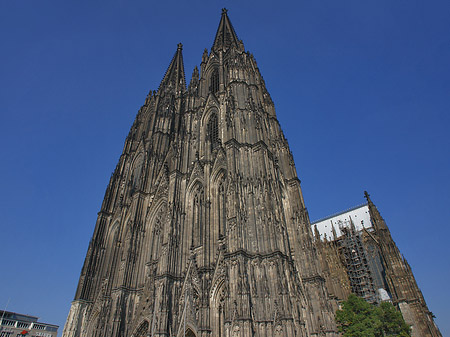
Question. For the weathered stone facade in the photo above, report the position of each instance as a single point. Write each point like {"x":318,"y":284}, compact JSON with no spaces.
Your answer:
{"x":379,"y":266}
{"x":203,"y":230}
{"x":400,"y":280}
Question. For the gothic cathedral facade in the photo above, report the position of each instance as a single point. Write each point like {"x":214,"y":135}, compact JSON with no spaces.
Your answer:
{"x":203,"y":230}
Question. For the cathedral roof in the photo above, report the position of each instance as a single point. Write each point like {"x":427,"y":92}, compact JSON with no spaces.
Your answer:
{"x":339,"y":213}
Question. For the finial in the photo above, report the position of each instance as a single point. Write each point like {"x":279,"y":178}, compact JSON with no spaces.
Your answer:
{"x":367,"y":196}
{"x":195,"y":73}
{"x":352,"y":225}
{"x":333,"y":230}
{"x":224,"y":11}
{"x":205,"y":55}
{"x":316,"y":233}
{"x":180,"y":46}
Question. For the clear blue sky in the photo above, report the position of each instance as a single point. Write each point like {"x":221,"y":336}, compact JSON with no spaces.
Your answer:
{"x":361,"y":88}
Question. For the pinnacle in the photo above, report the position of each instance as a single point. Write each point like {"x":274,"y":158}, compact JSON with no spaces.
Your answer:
{"x":226,"y":36}
{"x":367,"y":196}
{"x":374,"y":213}
{"x":194,"y":79}
{"x":174,"y":77}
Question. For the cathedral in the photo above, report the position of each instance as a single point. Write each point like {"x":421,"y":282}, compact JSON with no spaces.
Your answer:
{"x":358,"y":255}
{"x":203,"y":230}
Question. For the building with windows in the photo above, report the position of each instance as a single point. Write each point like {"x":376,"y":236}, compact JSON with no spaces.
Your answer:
{"x":13,"y":324}
{"x":203,"y":230}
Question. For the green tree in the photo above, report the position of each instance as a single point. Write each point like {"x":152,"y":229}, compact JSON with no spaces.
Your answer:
{"x":361,"y":319}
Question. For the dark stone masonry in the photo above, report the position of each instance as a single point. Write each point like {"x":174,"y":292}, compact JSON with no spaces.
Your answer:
{"x":203,"y":230}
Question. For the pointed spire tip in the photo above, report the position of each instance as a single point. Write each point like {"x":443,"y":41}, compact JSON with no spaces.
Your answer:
{"x":225,"y":36}
{"x":174,"y":76}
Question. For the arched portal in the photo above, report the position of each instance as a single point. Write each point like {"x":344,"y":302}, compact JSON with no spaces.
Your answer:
{"x":189,"y":333}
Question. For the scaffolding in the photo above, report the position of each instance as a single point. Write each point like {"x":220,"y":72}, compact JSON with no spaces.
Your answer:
{"x":356,"y":262}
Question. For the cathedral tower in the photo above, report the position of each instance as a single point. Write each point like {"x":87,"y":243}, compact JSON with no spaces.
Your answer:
{"x":203,"y":230}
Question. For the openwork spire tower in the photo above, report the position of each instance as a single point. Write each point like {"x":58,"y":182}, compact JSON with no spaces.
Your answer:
{"x":203,"y":230}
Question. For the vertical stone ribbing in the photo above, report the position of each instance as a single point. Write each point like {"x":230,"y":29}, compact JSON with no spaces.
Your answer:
{"x":203,"y":223}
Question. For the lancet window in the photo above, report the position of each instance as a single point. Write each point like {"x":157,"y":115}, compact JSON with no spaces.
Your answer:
{"x":213,"y":131}
{"x":198,"y":214}
{"x":214,"y":81}
{"x":137,"y":171}
{"x":221,"y":317}
{"x":221,"y":209}
{"x":158,"y":227}
{"x":220,"y":313}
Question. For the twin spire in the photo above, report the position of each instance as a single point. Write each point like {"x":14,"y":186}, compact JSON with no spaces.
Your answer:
{"x":175,"y":78}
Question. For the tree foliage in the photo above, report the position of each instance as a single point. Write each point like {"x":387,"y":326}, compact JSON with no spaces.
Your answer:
{"x":359,"y":318}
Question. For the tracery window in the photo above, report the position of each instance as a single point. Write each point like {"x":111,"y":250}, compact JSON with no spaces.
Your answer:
{"x":213,"y":131}
{"x":143,"y":330}
{"x":214,"y":81}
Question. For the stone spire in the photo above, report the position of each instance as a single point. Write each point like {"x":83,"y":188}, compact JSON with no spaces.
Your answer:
{"x":377,"y":220}
{"x":225,"y":36}
{"x":175,"y":79}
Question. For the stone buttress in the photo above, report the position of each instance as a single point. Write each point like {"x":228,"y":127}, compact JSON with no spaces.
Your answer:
{"x":203,"y":230}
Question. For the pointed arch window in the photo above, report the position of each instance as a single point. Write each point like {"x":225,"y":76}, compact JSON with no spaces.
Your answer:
{"x":226,"y":75}
{"x":136,"y":176}
{"x":197,"y":217}
{"x":158,"y":227}
{"x":214,"y":81}
{"x":221,"y":209}
{"x":220,"y":313}
{"x":221,"y":318}
{"x":213,"y":131}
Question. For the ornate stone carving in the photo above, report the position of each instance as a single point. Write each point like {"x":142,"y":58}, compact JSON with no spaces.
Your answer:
{"x":205,"y":241}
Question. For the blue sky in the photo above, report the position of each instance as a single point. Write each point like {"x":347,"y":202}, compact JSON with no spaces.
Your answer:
{"x":361,"y":89}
